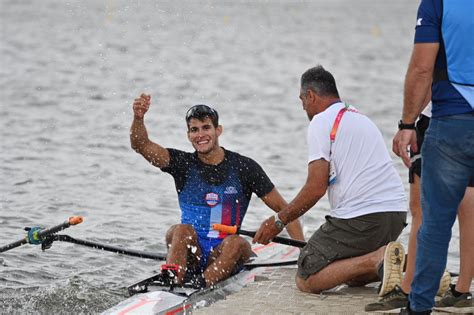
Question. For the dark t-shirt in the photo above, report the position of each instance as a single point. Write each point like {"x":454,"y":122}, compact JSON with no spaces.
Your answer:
{"x":220,"y":193}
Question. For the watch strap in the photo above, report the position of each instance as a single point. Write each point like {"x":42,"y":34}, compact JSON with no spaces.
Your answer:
{"x":402,"y":125}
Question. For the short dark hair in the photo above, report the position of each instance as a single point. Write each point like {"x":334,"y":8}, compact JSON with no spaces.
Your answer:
{"x":201,"y":112}
{"x":320,"y":81}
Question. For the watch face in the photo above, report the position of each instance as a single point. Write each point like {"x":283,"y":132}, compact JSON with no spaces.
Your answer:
{"x":280,"y":224}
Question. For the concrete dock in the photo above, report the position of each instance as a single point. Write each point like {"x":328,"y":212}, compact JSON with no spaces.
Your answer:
{"x":275,"y":292}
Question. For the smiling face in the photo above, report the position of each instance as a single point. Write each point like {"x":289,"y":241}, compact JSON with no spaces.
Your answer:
{"x":203,"y":135}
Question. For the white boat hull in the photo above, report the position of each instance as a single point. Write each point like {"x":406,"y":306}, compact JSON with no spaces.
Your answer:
{"x":184,"y":300}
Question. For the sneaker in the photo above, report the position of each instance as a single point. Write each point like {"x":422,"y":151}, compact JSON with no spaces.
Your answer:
{"x":390,"y":271}
{"x":449,"y":300}
{"x":408,"y":311}
{"x":444,"y":284}
{"x":392,"y":300}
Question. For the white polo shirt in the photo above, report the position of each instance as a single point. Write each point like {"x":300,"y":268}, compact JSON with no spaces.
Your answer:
{"x":367,"y":181}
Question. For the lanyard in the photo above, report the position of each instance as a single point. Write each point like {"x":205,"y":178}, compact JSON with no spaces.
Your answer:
{"x":335,"y":126}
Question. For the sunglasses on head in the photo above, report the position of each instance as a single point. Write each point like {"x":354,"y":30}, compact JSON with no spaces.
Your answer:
{"x":202,"y":111}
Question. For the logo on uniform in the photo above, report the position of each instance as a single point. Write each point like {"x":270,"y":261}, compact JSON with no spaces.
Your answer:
{"x":418,"y":22}
{"x":230,"y":190}
{"x":212,"y":199}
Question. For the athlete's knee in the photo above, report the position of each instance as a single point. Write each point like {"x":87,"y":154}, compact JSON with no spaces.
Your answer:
{"x":237,"y":246}
{"x":184,"y":232}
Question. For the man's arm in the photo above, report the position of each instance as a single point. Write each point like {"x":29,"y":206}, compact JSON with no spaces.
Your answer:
{"x":276,"y":202}
{"x":417,"y":86}
{"x":418,"y":80}
{"x":314,"y":188}
{"x":152,"y":152}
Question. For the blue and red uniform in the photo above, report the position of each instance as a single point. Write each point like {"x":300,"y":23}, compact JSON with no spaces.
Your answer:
{"x":211,"y":194}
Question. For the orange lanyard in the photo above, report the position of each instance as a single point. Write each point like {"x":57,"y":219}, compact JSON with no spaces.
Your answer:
{"x":332,"y":136}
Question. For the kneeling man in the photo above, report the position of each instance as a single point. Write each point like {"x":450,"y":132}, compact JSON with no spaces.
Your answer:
{"x":349,"y":160}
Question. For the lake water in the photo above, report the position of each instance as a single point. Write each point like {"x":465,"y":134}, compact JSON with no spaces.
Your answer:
{"x":70,"y":71}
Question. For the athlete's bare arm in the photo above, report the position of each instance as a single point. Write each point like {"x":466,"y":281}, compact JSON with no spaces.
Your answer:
{"x":152,"y":152}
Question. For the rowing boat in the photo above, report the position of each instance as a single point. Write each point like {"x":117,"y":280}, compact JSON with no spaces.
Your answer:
{"x":182,"y":300}
{"x":151,"y":296}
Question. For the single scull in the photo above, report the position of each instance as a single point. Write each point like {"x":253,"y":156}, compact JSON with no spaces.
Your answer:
{"x":149,"y":296}
{"x":183,"y":300}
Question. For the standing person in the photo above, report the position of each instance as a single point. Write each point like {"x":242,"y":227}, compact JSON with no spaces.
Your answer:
{"x":349,"y":160}
{"x":398,"y":297}
{"x":214,"y":185}
{"x":443,"y":56}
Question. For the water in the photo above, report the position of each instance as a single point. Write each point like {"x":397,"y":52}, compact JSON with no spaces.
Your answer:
{"x":69,"y":72}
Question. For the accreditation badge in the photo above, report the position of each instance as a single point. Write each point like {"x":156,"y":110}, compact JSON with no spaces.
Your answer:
{"x":332,"y":172}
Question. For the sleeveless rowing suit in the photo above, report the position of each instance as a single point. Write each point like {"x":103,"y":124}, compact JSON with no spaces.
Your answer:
{"x":209,"y":194}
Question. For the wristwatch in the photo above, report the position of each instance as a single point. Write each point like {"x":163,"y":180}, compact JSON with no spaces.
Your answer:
{"x":280,"y":225}
{"x":402,"y":125}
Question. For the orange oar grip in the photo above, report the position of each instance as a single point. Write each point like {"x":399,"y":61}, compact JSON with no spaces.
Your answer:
{"x":75,"y":220}
{"x":229,"y":229}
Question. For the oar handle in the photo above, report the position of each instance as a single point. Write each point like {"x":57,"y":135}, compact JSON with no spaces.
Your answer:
{"x":236,"y":230}
{"x":71,"y":221}
{"x":229,"y":229}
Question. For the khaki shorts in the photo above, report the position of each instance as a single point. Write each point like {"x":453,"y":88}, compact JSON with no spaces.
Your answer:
{"x":344,"y":238}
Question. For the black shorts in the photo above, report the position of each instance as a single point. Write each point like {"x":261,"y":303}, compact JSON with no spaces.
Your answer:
{"x":344,"y":238}
{"x":421,"y":126}
{"x":415,"y":169}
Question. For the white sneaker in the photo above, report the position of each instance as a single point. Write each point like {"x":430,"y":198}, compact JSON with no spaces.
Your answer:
{"x":392,"y":266}
{"x":444,"y":283}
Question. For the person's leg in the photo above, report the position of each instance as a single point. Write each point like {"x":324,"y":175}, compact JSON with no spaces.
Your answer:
{"x":349,"y":251}
{"x":448,"y":161}
{"x":183,"y":248}
{"x":458,"y":295}
{"x":223,"y":260}
{"x":466,"y":231}
{"x":466,"y":220}
{"x":342,"y":271}
{"x":416,"y":213}
{"x":414,"y":178}
{"x":360,"y":281}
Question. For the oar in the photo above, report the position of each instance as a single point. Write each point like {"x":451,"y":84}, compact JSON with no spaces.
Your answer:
{"x":110,"y":248}
{"x":252,"y":265}
{"x":236,"y":230}
{"x":36,"y":235}
{"x":46,"y":237}
{"x":282,"y":240}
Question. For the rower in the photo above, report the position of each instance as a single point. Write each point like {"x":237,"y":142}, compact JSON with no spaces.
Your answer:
{"x":214,"y":185}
